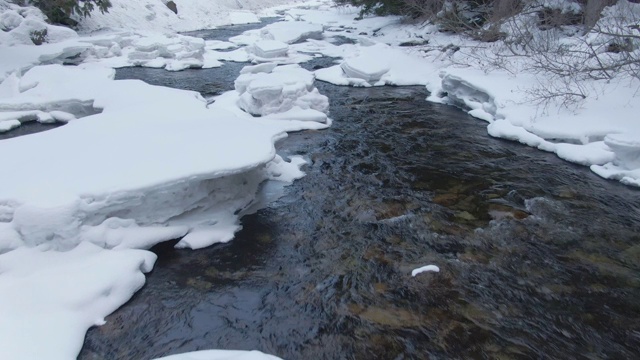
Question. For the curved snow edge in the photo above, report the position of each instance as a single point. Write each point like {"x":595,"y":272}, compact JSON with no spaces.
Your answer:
{"x":604,"y":158}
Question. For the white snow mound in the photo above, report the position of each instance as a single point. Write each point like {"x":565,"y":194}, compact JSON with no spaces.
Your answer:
{"x":279,"y":91}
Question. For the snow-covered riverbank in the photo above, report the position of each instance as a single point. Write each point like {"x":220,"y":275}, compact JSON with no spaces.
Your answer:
{"x":134,"y":165}
{"x":138,"y":164}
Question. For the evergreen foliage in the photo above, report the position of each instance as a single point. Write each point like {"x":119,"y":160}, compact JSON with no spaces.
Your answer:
{"x":378,"y":7}
{"x":60,"y":11}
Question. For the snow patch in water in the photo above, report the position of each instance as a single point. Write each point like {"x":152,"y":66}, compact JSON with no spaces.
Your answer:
{"x":427,"y":268}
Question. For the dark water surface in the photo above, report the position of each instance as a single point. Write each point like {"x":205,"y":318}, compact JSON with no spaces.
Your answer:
{"x":30,"y":127}
{"x":539,"y":258}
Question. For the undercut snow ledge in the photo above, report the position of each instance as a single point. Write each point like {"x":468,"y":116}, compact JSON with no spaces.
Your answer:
{"x":575,"y":137}
{"x":143,"y":158}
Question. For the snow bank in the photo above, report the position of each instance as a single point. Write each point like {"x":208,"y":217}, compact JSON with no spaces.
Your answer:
{"x":50,"y":299}
{"x":286,"y":31}
{"x":490,"y":101}
{"x":375,"y":64}
{"x":27,"y":26}
{"x":192,"y":14}
{"x":270,"y":48}
{"x":280,"y":90}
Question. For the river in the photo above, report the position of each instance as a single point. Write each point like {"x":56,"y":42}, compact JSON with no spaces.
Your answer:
{"x":539,"y":258}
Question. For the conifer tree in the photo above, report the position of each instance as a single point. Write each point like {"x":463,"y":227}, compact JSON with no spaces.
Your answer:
{"x":60,"y":11}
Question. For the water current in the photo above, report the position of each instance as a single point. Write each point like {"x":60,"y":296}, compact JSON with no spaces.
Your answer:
{"x":539,"y":258}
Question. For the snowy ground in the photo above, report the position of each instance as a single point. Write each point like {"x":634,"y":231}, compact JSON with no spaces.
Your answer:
{"x":80,"y":204}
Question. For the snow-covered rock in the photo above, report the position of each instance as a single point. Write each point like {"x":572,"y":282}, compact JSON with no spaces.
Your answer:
{"x":268,"y":49}
{"x":50,"y":298}
{"x":374,"y":65}
{"x":9,"y":20}
{"x":285,"y":31}
{"x":292,"y":31}
{"x":6,"y":125}
{"x":279,"y":90}
{"x":89,"y":181}
{"x":461,"y":92}
{"x":626,"y":148}
{"x":366,"y":68}
{"x":192,"y":14}
{"x":426,"y":268}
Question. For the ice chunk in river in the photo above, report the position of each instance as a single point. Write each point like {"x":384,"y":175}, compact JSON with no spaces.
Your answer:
{"x":370,"y":69}
{"x":270,"y":49}
{"x":426,"y":268}
{"x":627,"y":150}
{"x":278,"y":91}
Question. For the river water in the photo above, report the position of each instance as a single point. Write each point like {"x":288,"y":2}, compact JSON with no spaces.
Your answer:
{"x":539,"y":258}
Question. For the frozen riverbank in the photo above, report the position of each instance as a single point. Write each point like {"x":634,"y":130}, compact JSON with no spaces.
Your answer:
{"x":134,"y":165}
{"x":132,"y":168}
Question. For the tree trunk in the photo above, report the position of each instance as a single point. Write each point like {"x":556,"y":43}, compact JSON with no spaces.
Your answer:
{"x":592,"y":11}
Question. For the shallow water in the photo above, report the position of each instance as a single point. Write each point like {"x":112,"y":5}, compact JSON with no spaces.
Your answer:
{"x":539,"y":258}
{"x":29,"y":127}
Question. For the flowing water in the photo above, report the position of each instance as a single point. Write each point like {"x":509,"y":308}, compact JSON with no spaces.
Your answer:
{"x":539,"y":258}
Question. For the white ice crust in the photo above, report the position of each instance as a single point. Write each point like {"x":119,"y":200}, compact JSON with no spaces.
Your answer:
{"x":280,"y":90}
{"x":426,"y":268}
{"x":221,"y":355}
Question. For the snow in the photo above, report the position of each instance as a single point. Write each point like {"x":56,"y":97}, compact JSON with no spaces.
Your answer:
{"x":17,"y":28}
{"x":365,"y":67}
{"x":6,"y":125}
{"x":375,"y":64}
{"x":55,"y":297}
{"x":192,"y":14}
{"x":466,"y":73}
{"x":426,"y":268}
{"x":626,"y":148}
{"x":286,"y":31}
{"x":137,"y":164}
{"x":221,"y":355}
{"x":280,"y":90}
